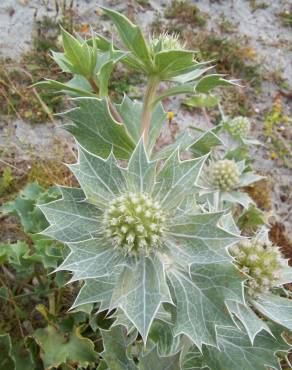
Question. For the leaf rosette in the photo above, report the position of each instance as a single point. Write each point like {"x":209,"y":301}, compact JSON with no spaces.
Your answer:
{"x":140,"y":244}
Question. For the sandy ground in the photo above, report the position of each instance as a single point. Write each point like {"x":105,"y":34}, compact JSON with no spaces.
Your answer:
{"x":267,"y":36}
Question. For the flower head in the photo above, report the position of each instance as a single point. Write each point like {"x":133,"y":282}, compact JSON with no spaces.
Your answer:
{"x":239,"y":126}
{"x":166,"y":41}
{"x":223,"y":174}
{"x":134,"y":223}
{"x":263,"y":263}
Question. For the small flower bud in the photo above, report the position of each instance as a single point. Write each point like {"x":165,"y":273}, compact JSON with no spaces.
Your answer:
{"x":223,"y":175}
{"x":239,"y":126}
{"x":261,"y":262}
{"x":166,"y":41}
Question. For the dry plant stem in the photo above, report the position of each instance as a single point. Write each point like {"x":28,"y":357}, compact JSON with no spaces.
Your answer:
{"x":151,"y":89}
{"x":11,"y":165}
{"x":112,"y":108}
{"x":207,"y":119}
{"x":43,"y":105}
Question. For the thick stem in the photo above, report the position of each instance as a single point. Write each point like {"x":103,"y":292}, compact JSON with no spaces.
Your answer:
{"x":148,"y":106}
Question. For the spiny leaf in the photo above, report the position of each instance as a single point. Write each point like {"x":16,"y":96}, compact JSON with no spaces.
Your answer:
{"x":131,"y":36}
{"x":79,"y":57}
{"x":275,"y":308}
{"x":252,"y":323}
{"x":175,"y":179}
{"x":182,"y":142}
{"x":205,"y":143}
{"x":171,"y":63}
{"x":131,"y":112}
{"x":162,"y":336}
{"x":152,"y":360}
{"x":141,"y":172}
{"x":196,"y":238}
{"x":71,"y":218}
{"x":237,"y":197}
{"x":209,"y":82}
{"x":96,"y":130}
{"x":201,"y":299}
{"x":101,"y":180}
{"x":97,"y":290}
{"x":91,"y":259}
{"x":140,"y":291}
{"x":236,"y":352}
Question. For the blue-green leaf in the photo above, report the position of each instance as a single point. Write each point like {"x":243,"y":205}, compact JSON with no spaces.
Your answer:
{"x":252,"y":323}
{"x":96,"y":130}
{"x":131,"y":36}
{"x":101,"y":179}
{"x":275,"y":308}
{"x":71,"y":218}
{"x":140,"y":291}
{"x":201,"y":299}
{"x":236,"y":352}
{"x":176,"y":179}
{"x":152,"y":361}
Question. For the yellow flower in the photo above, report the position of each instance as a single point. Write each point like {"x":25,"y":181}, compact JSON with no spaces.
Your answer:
{"x":170,"y":116}
{"x":274,"y":155}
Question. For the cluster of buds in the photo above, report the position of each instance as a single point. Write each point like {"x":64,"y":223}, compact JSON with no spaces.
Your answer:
{"x":261,"y":262}
{"x":223,"y":175}
{"x":166,"y":41}
{"x":134,"y":224}
{"x":239,"y":126}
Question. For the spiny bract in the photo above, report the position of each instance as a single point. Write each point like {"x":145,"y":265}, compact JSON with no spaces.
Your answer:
{"x":137,"y":243}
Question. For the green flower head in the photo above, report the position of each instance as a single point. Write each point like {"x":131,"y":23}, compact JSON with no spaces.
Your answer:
{"x":223,"y":174}
{"x":134,"y":223}
{"x":166,"y":41}
{"x":239,"y":126}
{"x":261,"y":262}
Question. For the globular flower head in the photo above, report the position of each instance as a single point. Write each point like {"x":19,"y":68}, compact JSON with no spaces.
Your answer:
{"x":223,"y":174}
{"x":166,"y":41}
{"x":239,"y":126}
{"x":261,"y":262}
{"x":134,"y":223}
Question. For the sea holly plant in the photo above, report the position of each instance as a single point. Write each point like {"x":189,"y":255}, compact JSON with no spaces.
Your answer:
{"x":160,"y":57}
{"x":151,"y":236}
{"x":224,"y":178}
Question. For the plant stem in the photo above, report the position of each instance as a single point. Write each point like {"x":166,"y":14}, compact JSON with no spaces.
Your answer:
{"x":112,"y":108}
{"x":151,"y":89}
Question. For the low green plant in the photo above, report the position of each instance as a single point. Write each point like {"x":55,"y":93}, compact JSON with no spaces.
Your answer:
{"x":184,"y":11}
{"x":275,"y":130}
{"x":286,"y":17}
{"x":6,"y":180}
{"x":168,"y":281}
